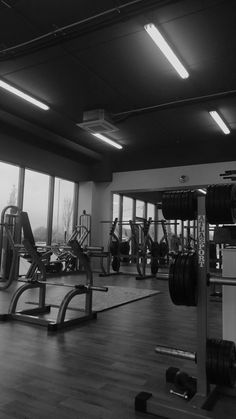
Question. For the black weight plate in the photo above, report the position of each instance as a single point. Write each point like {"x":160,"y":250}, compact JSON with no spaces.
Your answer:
{"x":217,"y":362}
{"x":185,"y":296}
{"x":209,"y":204}
{"x":114,"y":247}
{"x":187,"y":205}
{"x":190,"y":279}
{"x":175,"y":206}
{"x":124,"y":248}
{"x":219,"y":197}
{"x":166,"y":204}
{"x":212,"y":360}
{"x":176,"y":288}
{"x":155,"y":249}
{"x":185,"y":200}
{"x":172,"y":278}
{"x":115,"y":264}
{"x":194,"y":205}
{"x":229,"y":362}
{"x":182,"y":205}
{"x":227,"y":205}
{"x":222,"y":364}
{"x":224,"y":203}
{"x":208,"y":360}
{"x":172,"y":206}
{"x":179,"y":284}
{"x":163,"y":249}
{"x":233,"y":202}
{"x":225,"y":361}
{"x":176,"y":210}
{"x":154,"y":265}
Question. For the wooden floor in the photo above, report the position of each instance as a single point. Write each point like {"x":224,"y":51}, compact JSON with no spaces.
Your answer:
{"x":94,"y":371}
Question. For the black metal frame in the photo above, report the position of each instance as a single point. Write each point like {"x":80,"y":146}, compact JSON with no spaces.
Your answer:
{"x":206,"y":395}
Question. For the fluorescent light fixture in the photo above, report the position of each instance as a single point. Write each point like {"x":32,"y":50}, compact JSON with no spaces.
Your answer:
{"x":156,"y":36}
{"x":107,"y":140}
{"x":22,"y":95}
{"x":202,"y":191}
{"x":217,"y":118}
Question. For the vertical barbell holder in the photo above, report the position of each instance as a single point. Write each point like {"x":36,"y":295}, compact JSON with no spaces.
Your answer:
{"x":202,"y":305}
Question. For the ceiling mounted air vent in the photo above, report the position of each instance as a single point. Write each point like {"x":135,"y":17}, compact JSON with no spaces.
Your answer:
{"x":97,"y":121}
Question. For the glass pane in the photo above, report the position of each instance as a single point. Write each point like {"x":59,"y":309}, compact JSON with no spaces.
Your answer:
{"x":151,"y":213}
{"x":62,"y":210}
{"x":35,"y":203}
{"x":116,"y":206}
{"x":140,"y":206}
{"x":9,"y":175}
{"x":127,"y":209}
{"x":127,"y":215}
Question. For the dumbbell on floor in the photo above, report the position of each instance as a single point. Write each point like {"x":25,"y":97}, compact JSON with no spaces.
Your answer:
{"x":220,"y":360}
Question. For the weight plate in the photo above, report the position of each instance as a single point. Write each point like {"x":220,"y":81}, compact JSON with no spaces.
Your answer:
{"x":233,"y":202}
{"x":172,"y":278}
{"x":115,"y":264}
{"x":114,"y":247}
{"x":209,"y":204}
{"x":190,"y":280}
{"x":163,"y":250}
{"x":220,"y":204}
{"x":154,"y":265}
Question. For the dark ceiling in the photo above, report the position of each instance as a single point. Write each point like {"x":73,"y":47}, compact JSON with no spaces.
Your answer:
{"x":85,"y":55}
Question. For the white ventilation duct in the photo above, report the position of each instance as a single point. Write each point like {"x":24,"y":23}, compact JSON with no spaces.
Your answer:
{"x":97,"y":121}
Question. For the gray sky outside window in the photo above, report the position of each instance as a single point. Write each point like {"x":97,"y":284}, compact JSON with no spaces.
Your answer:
{"x":35,"y":202}
{"x":8,"y":184}
{"x":63,"y":210}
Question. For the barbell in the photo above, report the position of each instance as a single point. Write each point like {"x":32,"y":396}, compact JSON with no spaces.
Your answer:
{"x":81,"y":287}
{"x":220,"y":360}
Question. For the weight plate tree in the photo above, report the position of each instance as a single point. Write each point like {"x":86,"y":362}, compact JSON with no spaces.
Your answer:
{"x":215,"y":358}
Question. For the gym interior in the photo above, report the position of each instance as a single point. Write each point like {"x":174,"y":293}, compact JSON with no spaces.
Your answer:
{"x":118,"y":209}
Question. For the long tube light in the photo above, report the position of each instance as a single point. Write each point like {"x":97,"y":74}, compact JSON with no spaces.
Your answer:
{"x":156,"y":36}
{"x":217,"y":118}
{"x":107,"y":140}
{"x":22,"y":95}
{"x":202,"y":191}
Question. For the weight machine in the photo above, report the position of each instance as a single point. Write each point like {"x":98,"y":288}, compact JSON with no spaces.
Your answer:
{"x":189,"y":281}
{"x":9,"y":228}
{"x":39,"y":282}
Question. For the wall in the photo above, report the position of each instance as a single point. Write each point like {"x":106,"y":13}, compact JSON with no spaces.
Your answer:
{"x":32,"y":157}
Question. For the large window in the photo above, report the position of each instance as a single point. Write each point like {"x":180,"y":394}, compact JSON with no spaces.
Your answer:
{"x":115,"y":206}
{"x":62,"y":210}
{"x":151,"y":214}
{"x":140,"y":209}
{"x":127,"y":215}
{"x":35,"y":203}
{"x":8,"y":185}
